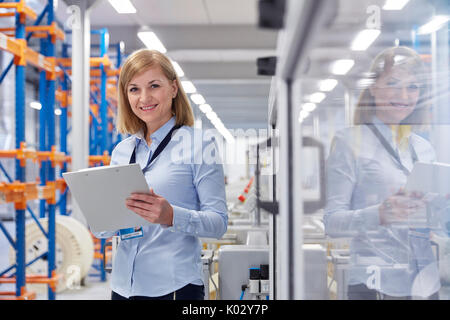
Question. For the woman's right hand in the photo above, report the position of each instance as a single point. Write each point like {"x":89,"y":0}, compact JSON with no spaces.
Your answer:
{"x":398,"y":207}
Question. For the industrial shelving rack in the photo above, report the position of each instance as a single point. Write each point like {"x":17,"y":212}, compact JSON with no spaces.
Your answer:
{"x":17,"y":190}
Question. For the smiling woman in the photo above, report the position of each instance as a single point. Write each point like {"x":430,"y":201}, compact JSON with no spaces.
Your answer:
{"x":184,"y":201}
{"x":367,"y":169}
{"x":147,"y":78}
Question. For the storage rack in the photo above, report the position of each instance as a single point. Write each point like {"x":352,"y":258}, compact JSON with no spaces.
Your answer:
{"x":103,"y":108}
{"x":14,"y":40}
{"x":18,"y":191}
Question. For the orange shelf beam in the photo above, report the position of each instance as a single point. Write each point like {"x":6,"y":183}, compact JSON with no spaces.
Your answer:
{"x":21,"y":8}
{"x":23,"y":54}
{"x":40,"y":31}
{"x":52,"y":282}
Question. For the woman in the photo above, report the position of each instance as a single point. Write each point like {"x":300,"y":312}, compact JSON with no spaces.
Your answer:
{"x":186,"y":198}
{"x":390,"y":256}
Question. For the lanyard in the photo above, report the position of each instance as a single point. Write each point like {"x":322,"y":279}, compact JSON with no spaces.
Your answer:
{"x":391,"y":151}
{"x":158,"y":150}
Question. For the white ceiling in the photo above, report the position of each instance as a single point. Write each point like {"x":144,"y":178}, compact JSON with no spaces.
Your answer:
{"x":216,"y":42}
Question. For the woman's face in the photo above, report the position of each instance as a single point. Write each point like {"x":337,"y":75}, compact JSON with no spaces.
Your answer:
{"x":150,"y":95}
{"x":396,"y":94}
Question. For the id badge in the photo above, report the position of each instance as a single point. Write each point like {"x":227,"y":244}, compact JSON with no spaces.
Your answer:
{"x":131,"y":233}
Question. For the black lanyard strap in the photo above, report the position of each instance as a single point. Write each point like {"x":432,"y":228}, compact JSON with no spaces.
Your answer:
{"x":391,"y":151}
{"x":159,"y":149}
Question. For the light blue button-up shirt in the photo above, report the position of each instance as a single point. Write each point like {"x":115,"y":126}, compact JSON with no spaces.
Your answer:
{"x":188,"y":174}
{"x":395,"y":260}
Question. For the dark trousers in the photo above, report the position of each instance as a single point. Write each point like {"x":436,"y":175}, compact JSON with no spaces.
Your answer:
{"x":189,"y":292}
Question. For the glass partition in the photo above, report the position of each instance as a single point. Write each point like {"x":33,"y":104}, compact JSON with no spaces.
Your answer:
{"x":375,"y":94}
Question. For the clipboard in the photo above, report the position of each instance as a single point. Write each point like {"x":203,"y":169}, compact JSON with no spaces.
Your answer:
{"x":100,"y":192}
{"x":428,"y":178}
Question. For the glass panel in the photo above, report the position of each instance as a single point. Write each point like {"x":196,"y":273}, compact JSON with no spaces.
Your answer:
{"x":375,"y":93}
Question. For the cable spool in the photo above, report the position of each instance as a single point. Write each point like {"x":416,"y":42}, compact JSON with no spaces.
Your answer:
{"x":74,"y":252}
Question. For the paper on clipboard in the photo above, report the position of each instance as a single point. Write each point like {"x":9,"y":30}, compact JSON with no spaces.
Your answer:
{"x":429,"y":178}
{"x":101,"y":192}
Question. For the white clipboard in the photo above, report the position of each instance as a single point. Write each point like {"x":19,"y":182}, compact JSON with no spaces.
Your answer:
{"x":101,"y":192}
{"x":429,"y":178}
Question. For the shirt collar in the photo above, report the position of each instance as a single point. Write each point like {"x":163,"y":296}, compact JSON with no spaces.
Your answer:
{"x":159,"y":134}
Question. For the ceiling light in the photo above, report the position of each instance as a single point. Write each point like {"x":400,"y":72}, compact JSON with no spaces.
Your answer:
{"x":364,"y":39}
{"x":433,"y":25}
{"x":197,"y":98}
{"x":309,"y":106}
{"x":341,"y":67}
{"x":395,"y":4}
{"x":327,"y":85}
{"x":303,"y":115}
{"x":205,"y":108}
{"x":211,"y":116}
{"x":317,"y":97}
{"x":36,"y":105}
{"x":178,"y":70}
{"x":151,"y":41}
{"x":188,"y":87}
{"x":123,"y":6}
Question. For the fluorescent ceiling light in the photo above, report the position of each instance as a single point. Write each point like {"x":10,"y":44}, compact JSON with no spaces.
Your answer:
{"x":58,"y":112}
{"x":36,"y":105}
{"x":178,"y":70}
{"x":151,"y":41}
{"x":309,"y":106}
{"x":197,"y":98}
{"x":433,"y":25}
{"x":395,"y":4}
{"x":341,"y":67}
{"x":205,"y":108}
{"x":364,"y":39}
{"x":327,"y":85}
{"x":317,"y":97}
{"x":123,"y":6}
{"x":212,"y":116}
{"x":188,"y":87}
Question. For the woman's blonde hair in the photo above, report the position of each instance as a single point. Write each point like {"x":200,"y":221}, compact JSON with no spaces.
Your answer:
{"x":408,"y":59}
{"x":138,"y":62}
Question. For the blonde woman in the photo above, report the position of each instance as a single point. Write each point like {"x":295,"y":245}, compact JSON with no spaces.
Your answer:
{"x":186,"y":199}
{"x":368,"y":166}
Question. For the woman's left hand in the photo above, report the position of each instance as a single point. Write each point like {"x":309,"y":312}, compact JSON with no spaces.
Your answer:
{"x":151,"y":207}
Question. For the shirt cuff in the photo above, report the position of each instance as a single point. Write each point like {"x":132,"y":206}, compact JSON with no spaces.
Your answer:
{"x":181,"y":220}
{"x":370,"y":217}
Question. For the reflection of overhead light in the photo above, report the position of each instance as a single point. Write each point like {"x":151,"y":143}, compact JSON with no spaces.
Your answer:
{"x":327,"y":85}
{"x":36,"y":105}
{"x":58,"y":112}
{"x":317,"y":97}
{"x":364,"y":39}
{"x":395,"y":4}
{"x":123,"y":6}
{"x":205,"y":108}
{"x":309,"y":106}
{"x":188,"y":87}
{"x":303,"y":115}
{"x":178,"y":70}
{"x":342,"y":66}
{"x":151,"y":41}
{"x":365,"y":83}
{"x":197,"y":98}
{"x":433,"y":25}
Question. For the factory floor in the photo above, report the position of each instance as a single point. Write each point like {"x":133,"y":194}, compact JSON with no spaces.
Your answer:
{"x":92,"y":288}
